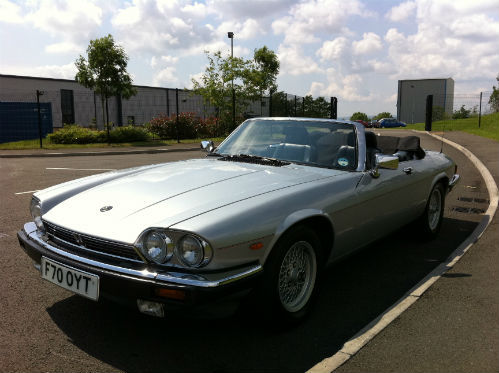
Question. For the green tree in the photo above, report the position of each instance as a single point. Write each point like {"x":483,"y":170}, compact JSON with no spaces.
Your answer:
{"x":105,"y":72}
{"x":382,"y":115}
{"x":250,"y":79}
{"x":461,"y":113}
{"x":494,"y":97}
{"x":261,"y":74}
{"x":215,"y":86}
{"x":359,"y":116}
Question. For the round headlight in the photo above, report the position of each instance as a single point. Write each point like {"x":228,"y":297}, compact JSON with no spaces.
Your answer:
{"x":157,"y":247}
{"x":36,"y":212}
{"x":193,"y":252}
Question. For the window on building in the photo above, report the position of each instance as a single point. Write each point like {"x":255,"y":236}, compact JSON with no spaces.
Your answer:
{"x":67,"y":106}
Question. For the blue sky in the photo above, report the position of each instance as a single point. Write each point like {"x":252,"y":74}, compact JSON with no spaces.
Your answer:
{"x":354,"y":50}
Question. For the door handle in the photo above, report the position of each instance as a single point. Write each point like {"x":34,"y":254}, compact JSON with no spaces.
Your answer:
{"x":408,"y":170}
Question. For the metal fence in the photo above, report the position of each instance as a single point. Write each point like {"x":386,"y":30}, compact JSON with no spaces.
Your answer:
{"x":82,"y":106}
{"x":448,"y":108}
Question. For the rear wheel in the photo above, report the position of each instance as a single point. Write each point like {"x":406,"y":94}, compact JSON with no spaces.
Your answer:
{"x":291,"y":274}
{"x":430,"y":222}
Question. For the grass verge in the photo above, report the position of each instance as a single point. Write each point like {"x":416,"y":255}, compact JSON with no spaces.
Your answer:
{"x":35,"y":144}
{"x":489,"y":126}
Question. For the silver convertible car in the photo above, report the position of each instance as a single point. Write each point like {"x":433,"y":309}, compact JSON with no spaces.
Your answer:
{"x":260,"y":215}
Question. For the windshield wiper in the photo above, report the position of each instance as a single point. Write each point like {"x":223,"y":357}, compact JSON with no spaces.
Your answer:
{"x":256,"y":159}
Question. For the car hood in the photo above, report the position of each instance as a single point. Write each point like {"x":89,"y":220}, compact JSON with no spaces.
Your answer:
{"x":165,"y":195}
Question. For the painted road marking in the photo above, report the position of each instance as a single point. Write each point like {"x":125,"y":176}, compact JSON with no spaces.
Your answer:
{"x":29,"y":191}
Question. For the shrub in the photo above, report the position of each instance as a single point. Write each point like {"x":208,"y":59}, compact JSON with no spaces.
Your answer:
{"x":74,"y":134}
{"x":209,"y":127}
{"x":163,"y":127}
{"x":128,"y":134}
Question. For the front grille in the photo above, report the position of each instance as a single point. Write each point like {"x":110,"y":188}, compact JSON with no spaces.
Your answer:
{"x":89,"y":246}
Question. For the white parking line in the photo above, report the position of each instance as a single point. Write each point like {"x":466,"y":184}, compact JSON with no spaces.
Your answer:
{"x":80,"y":169}
{"x":29,"y":191}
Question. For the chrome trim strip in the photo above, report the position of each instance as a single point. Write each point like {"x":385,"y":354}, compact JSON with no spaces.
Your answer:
{"x":199,"y":280}
{"x":71,"y":245}
{"x":455,"y":179}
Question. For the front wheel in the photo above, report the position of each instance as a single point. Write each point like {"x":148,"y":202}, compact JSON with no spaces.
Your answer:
{"x":291,"y":275}
{"x":431,"y":220}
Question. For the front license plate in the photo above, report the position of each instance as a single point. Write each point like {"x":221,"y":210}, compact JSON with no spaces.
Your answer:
{"x":79,"y":282}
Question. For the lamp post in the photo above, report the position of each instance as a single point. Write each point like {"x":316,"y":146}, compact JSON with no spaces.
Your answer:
{"x":230,"y":35}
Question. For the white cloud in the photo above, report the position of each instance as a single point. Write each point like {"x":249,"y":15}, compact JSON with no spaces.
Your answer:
{"x":454,"y":38}
{"x":401,"y":12}
{"x":166,"y":77}
{"x":332,"y":50}
{"x":10,"y":12}
{"x":349,"y":87}
{"x":148,"y":26}
{"x":75,"y":20}
{"x":293,"y":62}
{"x":370,"y":43}
{"x":310,"y":18}
{"x":67,"y":71}
{"x":64,"y":47}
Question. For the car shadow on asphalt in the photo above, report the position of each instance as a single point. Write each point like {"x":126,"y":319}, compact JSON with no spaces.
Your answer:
{"x":353,"y":293}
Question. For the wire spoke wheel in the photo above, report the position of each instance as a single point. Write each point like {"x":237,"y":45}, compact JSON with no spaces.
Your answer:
{"x":435,"y":209}
{"x":297,"y":275}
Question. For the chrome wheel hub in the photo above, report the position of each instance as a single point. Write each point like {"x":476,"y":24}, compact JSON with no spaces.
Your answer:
{"x":297,"y":276}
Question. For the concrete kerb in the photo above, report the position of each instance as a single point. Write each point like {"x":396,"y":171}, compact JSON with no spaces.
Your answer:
{"x":97,"y":153}
{"x":351,"y":347}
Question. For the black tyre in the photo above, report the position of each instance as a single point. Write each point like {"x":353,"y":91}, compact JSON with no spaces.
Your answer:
{"x":430,"y":222}
{"x":291,"y":276}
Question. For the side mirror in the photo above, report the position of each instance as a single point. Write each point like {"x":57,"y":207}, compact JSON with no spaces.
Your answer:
{"x":208,"y":146}
{"x":389,"y":162}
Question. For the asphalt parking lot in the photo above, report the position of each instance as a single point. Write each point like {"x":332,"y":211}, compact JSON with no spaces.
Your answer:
{"x":44,"y":328}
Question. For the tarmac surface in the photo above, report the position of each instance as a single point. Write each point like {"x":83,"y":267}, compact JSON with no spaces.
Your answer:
{"x":453,"y":327}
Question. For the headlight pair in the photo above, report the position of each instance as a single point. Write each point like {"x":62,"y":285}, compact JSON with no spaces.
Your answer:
{"x":35,"y":208}
{"x":159,"y":246}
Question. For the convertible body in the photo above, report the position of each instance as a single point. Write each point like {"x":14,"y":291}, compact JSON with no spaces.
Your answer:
{"x":266,"y":210}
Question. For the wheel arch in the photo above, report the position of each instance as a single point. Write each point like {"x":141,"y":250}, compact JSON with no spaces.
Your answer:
{"x":316,"y":220}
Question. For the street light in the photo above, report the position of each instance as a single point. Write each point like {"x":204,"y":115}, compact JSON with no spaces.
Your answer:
{"x":230,"y":35}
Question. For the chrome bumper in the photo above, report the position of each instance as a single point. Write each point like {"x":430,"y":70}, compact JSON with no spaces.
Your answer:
{"x":453,"y":181}
{"x":209,"y":280}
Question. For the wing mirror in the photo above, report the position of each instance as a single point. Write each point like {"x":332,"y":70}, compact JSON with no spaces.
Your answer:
{"x":208,"y":146}
{"x":389,"y":162}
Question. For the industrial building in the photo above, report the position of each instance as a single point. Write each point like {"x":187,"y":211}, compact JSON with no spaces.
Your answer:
{"x":411,"y":100}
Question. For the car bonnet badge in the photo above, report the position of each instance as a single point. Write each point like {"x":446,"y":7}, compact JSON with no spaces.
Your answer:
{"x":105,"y":208}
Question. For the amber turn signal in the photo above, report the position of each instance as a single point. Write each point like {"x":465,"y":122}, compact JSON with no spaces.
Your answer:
{"x":256,"y":246}
{"x":170,"y":293}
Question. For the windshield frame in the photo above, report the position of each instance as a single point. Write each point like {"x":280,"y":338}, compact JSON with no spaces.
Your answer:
{"x":358,"y":130}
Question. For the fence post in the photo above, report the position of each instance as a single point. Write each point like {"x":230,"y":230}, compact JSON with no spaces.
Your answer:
{"x":270,"y":104}
{"x":176,"y":119}
{"x":334,"y":108}
{"x":480,"y":111}
{"x":167,"y":102}
{"x":429,"y":112}
{"x":38,"y":94}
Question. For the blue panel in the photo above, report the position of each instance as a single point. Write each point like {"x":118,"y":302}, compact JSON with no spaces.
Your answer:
{"x":19,"y":120}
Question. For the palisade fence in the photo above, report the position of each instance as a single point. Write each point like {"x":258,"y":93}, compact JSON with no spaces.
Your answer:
{"x":448,"y":108}
{"x":85,"y":108}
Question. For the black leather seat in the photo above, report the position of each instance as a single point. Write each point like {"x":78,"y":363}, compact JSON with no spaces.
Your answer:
{"x":371,"y":149}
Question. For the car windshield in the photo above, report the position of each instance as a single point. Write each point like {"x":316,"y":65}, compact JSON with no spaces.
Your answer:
{"x":316,"y":143}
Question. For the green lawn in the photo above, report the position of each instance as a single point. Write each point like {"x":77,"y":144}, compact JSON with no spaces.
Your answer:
{"x":35,"y":144}
{"x":489,"y":126}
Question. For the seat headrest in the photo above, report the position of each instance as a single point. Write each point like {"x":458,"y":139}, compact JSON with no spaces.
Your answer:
{"x":371,"y":141}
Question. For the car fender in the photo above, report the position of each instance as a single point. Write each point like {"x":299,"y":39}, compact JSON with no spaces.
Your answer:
{"x":293,"y":219}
